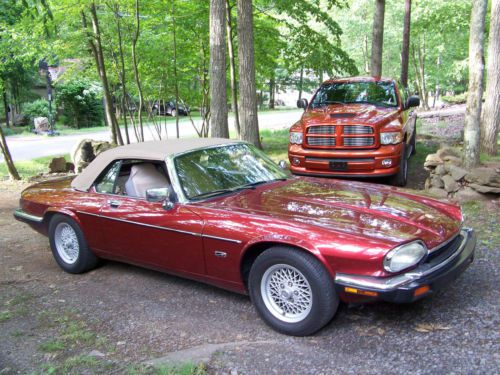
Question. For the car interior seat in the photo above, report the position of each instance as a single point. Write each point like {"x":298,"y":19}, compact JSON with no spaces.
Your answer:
{"x":142,"y":177}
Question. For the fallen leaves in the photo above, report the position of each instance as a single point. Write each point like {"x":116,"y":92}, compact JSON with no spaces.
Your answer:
{"x":430,"y":327}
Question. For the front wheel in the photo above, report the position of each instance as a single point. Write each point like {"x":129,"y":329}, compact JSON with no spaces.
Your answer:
{"x":69,"y":246}
{"x":292,"y":291}
{"x":401,"y":178}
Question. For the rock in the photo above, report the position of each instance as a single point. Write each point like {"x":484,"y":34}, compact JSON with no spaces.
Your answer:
{"x":85,"y":152}
{"x":41,"y":124}
{"x":440,"y":170}
{"x":447,"y":151}
{"x":70,"y":167}
{"x":485,"y":189}
{"x":451,"y":161}
{"x":484,"y":176}
{"x":436,"y":181}
{"x":438,"y":193}
{"x":457,"y":173}
{"x":468,"y":194}
{"x":57,"y":165}
{"x":96,"y":354}
{"x":432,"y":161}
{"x":450,"y":185}
{"x":427,"y":184}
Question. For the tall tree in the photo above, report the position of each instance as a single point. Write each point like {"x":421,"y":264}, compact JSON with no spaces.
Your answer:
{"x":248,"y":91}
{"x":476,"y":73}
{"x":405,"y":51}
{"x":378,"y":38}
{"x":491,"y":113}
{"x":135,"y":38}
{"x":232,"y":68}
{"x":218,"y":105}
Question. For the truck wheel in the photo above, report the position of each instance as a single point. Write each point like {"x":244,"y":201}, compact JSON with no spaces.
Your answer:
{"x":292,"y":291}
{"x":69,"y":246}
{"x":414,"y":141}
{"x":401,"y":178}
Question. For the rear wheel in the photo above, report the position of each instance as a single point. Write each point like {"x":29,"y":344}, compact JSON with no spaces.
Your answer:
{"x":401,"y":178}
{"x":69,"y":247}
{"x":292,"y":291}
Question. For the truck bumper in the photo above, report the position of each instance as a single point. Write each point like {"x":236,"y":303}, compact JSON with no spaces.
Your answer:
{"x":358,"y":163}
{"x":415,"y":284}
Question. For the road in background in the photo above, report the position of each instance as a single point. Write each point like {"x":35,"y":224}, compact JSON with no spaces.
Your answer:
{"x":30,"y":147}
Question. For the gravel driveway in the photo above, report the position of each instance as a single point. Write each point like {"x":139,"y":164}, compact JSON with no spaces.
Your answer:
{"x":118,"y":316}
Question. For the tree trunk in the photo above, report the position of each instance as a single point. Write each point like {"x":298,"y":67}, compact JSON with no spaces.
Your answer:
{"x":6,"y":106}
{"x":378,"y":38}
{"x":301,"y":82}
{"x":96,"y":47}
{"x":272,"y":85}
{"x":476,"y":72}
{"x":405,"y":52}
{"x":491,"y":112}
{"x":232,"y":70}
{"x":176,"y":80}
{"x":11,"y":168}
{"x":135,"y":37}
{"x":366,"y":57}
{"x":248,"y":91}
{"x":218,"y":104}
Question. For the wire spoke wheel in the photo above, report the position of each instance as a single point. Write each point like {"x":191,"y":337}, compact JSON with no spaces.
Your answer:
{"x":286,"y":293}
{"x":66,"y":242}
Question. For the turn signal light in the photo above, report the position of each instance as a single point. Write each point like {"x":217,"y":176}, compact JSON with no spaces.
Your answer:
{"x":422,"y":290}
{"x":361,"y":292}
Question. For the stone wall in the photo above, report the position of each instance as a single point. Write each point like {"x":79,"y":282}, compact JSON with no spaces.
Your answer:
{"x":448,"y":178}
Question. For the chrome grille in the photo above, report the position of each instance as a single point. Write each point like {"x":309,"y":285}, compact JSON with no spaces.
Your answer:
{"x":321,"y":141}
{"x":357,"y":129}
{"x":322,"y":129}
{"x":359,"y":141}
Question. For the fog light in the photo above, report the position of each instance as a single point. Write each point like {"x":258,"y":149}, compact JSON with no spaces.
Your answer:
{"x":362,"y":292}
{"x":386,"y":162}
{"x":295,"y":161}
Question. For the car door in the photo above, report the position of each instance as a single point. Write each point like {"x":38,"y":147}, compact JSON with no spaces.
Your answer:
{"x":143,"y":232}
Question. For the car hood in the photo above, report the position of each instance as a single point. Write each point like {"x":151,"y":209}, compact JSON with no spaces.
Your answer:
{"x":360,"y":209}
{"x":338,"y":114}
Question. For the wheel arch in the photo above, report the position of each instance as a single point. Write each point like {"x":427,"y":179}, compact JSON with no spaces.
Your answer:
{"x":52,"y":211}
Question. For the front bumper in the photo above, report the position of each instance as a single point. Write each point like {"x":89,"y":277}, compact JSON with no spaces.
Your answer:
{"x":415,"y":284}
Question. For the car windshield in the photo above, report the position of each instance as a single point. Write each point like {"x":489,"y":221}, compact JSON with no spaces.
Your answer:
{"x":376,"y":93}
{"x":219,"y":170}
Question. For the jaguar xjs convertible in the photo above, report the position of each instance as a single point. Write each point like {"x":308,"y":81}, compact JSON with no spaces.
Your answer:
{"x":221,"y":212}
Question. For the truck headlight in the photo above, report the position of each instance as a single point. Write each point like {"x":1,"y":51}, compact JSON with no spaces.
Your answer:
{"x":404,"y":256}
{"x":391,"y":138}
{"x":296,"y":138}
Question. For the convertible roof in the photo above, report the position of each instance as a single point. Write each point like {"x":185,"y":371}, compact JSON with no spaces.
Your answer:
{"x":152,"y":150}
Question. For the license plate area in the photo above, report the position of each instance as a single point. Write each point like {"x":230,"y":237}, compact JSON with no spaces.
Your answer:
{"x":338,"y":165}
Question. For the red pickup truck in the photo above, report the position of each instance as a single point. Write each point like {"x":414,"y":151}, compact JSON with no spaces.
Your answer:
{"x":355,"y":127}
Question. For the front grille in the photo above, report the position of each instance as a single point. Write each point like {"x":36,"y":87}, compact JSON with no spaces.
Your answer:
{"x":321,"y":141}
{"x":440,"y":254}
{"x":359,"y":141}
{"x":322,"y":129}
{"x":357,"y":129}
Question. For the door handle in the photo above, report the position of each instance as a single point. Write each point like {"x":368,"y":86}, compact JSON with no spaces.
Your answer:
{"x":114,"y":204}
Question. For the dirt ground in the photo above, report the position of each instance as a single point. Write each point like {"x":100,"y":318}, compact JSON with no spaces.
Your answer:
{"x":117,"y":317}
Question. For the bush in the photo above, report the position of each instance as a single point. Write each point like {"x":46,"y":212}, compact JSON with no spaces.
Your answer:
{"x":38,"y":108}
{"x":81,"y":103}
{"x":455,"y":99}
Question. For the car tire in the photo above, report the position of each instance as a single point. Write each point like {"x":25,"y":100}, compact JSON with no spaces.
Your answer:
{"x":414,"y":141}
{"x":401,"y":178}
{"x":307,"y":299}
{"x":69,"y":247}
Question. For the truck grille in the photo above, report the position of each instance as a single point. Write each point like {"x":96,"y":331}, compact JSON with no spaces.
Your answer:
{"x":322,"y":129}
{"x":359,"y":141}
{"x":357,"y":129}
{"x":321,"y":141}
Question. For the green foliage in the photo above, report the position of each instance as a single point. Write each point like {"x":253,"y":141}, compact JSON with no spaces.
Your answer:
{"x":81,"y":103}
{"x":455,"y":99}
{"x":29,"y":168}
{"x":38,"y":108}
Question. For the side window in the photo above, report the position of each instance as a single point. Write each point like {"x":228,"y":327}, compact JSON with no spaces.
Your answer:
{"x":106,"y":183}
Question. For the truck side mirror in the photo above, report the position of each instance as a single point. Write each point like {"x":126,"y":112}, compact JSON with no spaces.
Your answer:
{"x":302,"y":103}
{"x":413,"y":101}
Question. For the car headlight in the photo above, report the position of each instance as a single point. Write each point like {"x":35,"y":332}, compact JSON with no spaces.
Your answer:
{"x":404,"y":256}
{"x":296,"y":138}
{"x":391,"y":138}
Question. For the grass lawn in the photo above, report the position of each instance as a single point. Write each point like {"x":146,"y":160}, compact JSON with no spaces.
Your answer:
{"x":28,"y":168}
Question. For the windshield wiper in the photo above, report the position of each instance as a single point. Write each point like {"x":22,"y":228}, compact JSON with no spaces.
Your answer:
{"x":315,"y":105}
{"x":251,"y":185}
{"x":374,"y":103}
{"x":213,"y":193}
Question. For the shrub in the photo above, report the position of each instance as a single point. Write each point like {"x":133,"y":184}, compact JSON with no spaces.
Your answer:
{"x":455,"y":99}
{"x":38,"y":108}
{"x":81,"y":103}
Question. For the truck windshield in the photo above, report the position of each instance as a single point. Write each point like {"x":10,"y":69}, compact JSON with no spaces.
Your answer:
{"x":376,"y":93}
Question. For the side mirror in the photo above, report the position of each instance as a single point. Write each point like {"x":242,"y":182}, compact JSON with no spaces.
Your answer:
{"x":282,"y":164}
{"x":158,"y":195}
{"x":302,"y":103}
{"x":413,"y":101}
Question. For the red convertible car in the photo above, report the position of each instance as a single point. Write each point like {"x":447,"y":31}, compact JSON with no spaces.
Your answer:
{"x":221,"y":212}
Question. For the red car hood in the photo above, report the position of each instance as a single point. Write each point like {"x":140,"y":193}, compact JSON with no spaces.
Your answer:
{"x":350,"y":207}
{"x":338,"y":114}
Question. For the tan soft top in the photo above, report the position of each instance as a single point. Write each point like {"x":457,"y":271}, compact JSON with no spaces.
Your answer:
{"x":153,"y":150}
